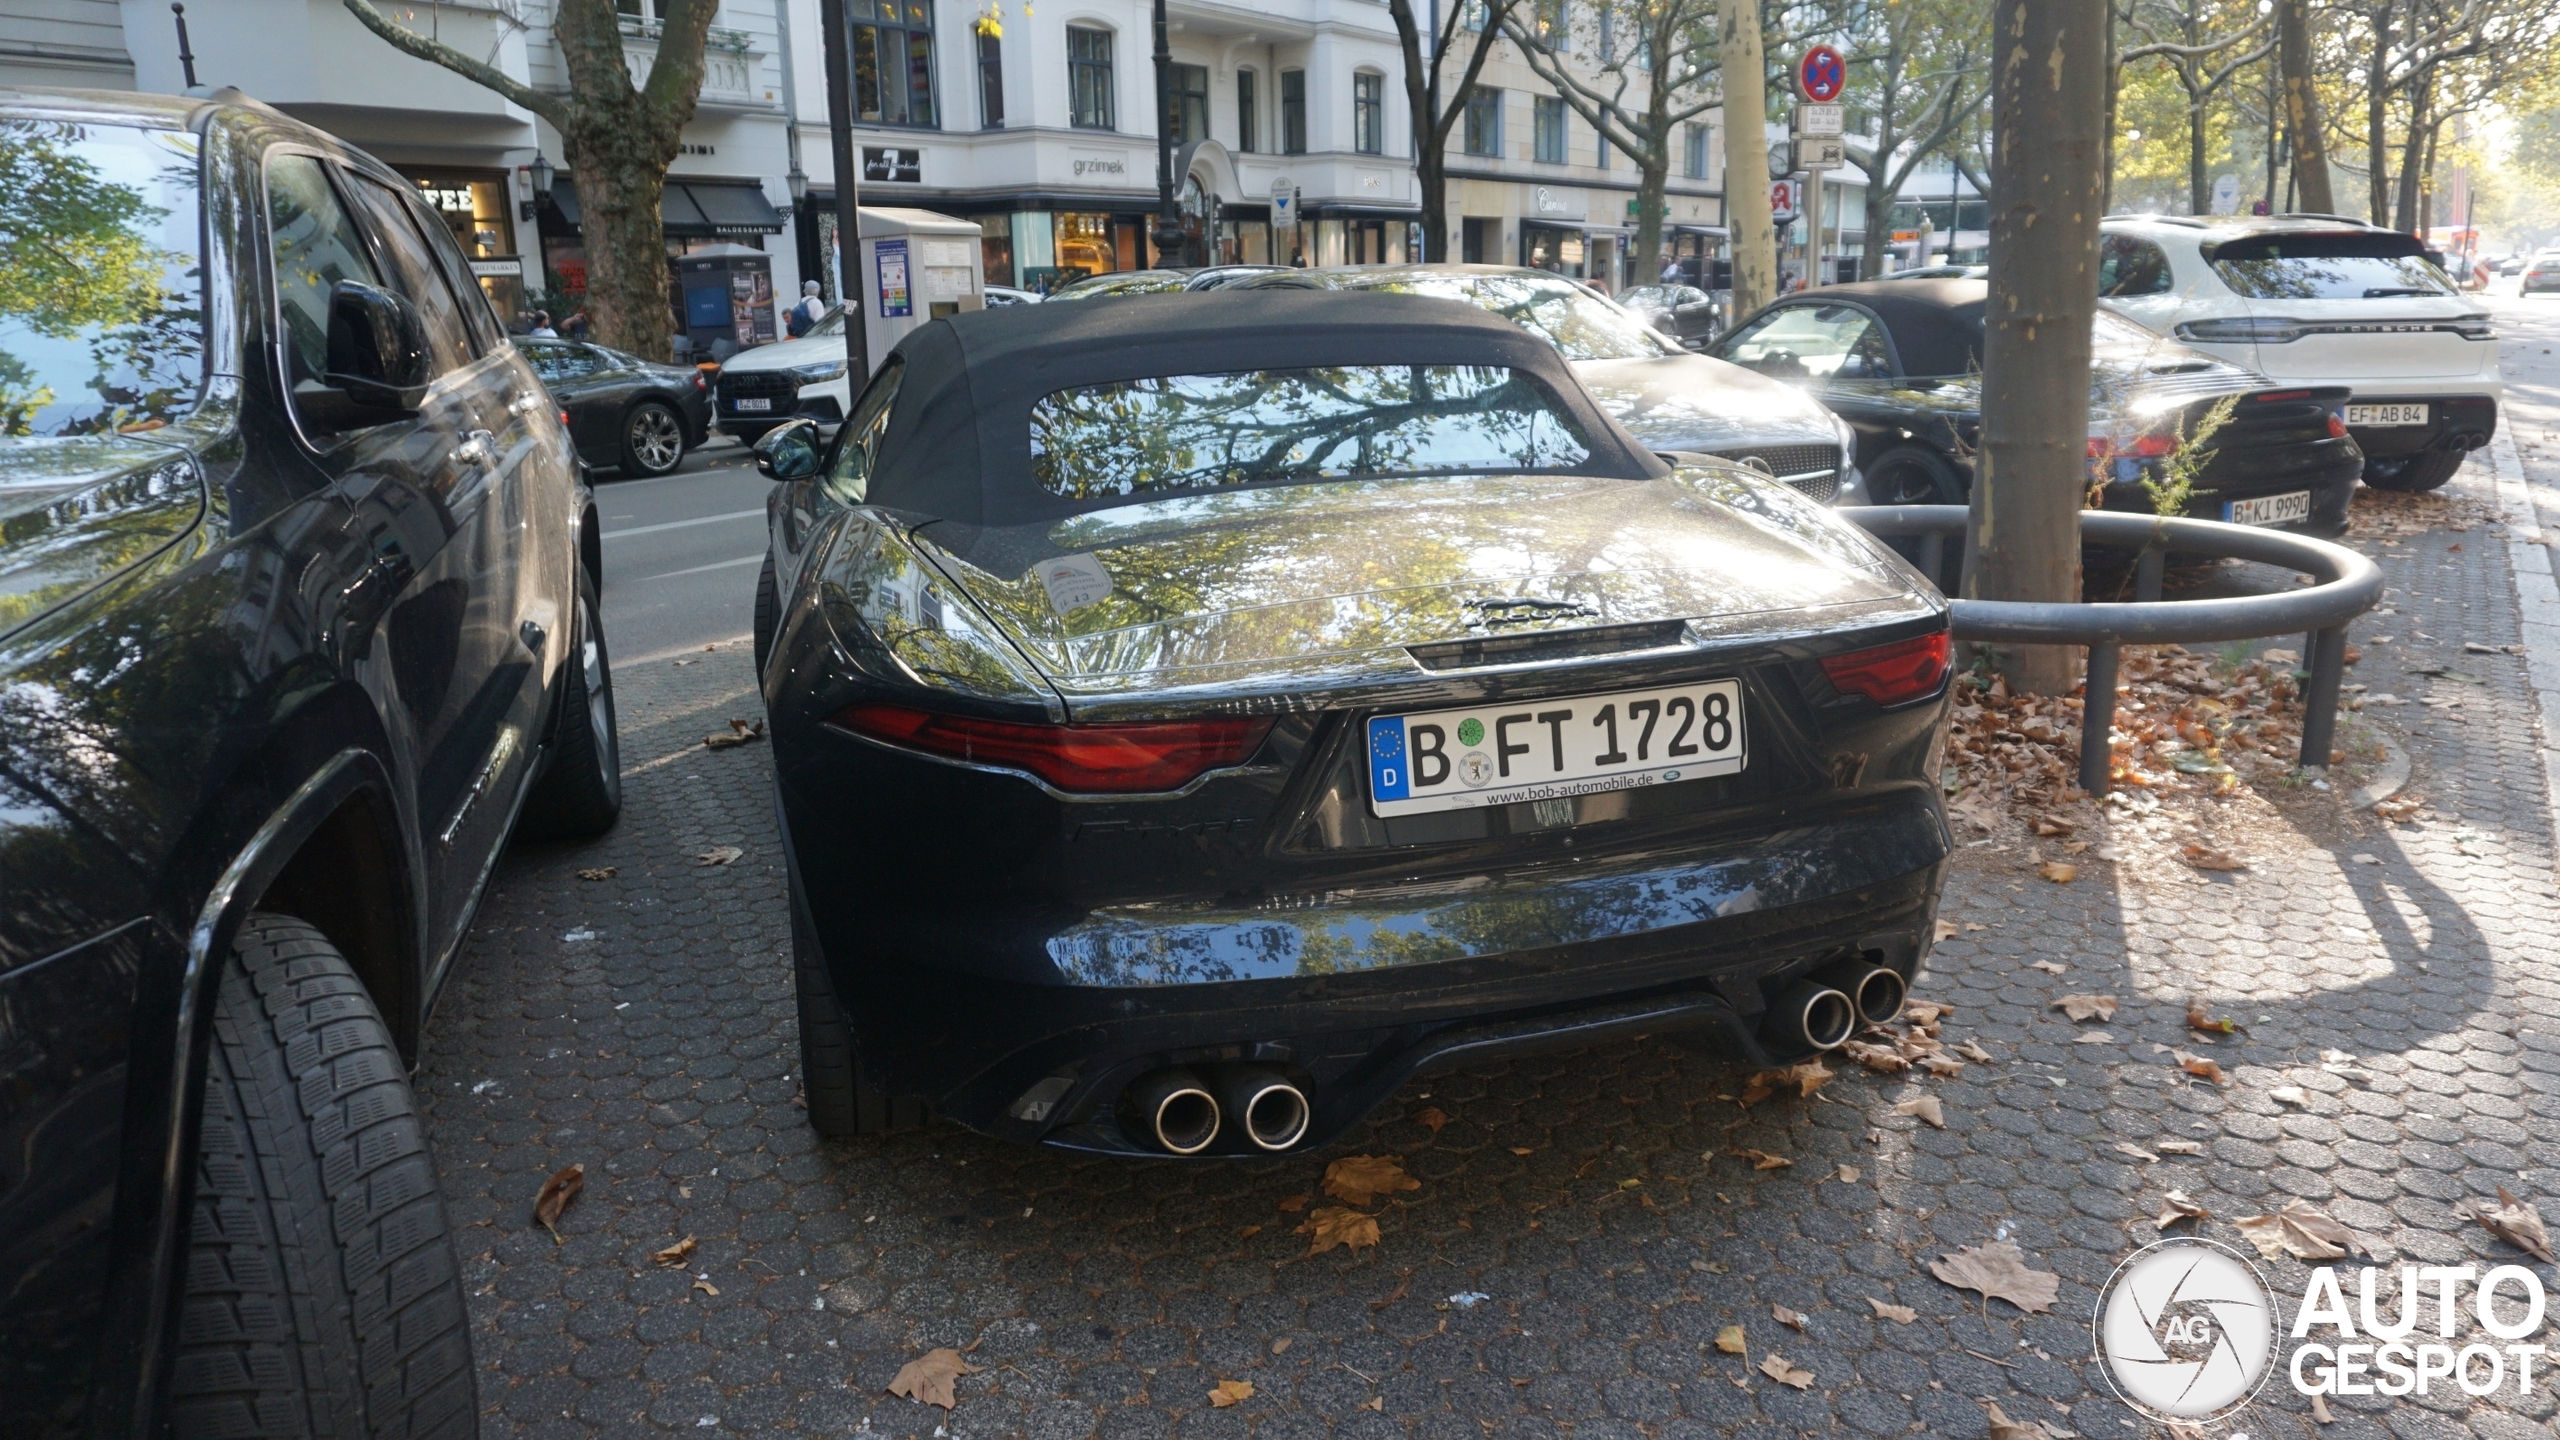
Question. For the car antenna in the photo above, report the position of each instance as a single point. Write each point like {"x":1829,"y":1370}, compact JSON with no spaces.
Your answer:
{"x":186,"y":56}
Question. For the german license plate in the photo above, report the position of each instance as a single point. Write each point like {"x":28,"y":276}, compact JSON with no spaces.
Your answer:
{"x":2386,"y":414}
{"x":1554,"y":749}
{"x":2289,"y":509}
{"x":757,"y":403}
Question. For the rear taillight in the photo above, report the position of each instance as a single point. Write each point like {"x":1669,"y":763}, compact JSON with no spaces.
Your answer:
{"x":1892,"y":674}
{"x":2337,"y":426}
{"x":1124,"y":759}
{"x":2140,"y":447}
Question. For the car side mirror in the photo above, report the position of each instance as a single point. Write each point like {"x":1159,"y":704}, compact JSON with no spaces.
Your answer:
{"x":788,"y":451}
{"x":377,"y":348}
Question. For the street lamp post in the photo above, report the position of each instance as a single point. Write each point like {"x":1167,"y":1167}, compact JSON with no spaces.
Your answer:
{"x":1168,"y":222}
{"x":839,"y":51}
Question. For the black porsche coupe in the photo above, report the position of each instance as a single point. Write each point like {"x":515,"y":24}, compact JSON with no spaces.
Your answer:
{"x":1195,"y":715}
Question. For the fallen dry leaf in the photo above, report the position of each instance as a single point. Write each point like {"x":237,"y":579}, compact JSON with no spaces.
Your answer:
{"x":2517,"y":1222}
{"x":1431,"y":1119}
{"x":2198,"y":1018}
{"x":2052,"y":825}
{"x":1999,"y":1270}
{"x":2093,"y":1037}
{"x":600,"y":872}
{"x":1333,"y":1225}
{"x":1972,"y":1050}
{"x":740,"y":733}
{"x":1281,"y":1345}
{"x":2399,"y":807}
{"x":1248,"y":1232}
{"x":1948,"y":929}
{"x":2301,"y":1231}
{"x":2059,"y":872}
{"x":719,"y":855}
{"x":2050,"y":967}
{"x":1926,"y":1107}
{"x":675,"y":1254}
{"x":2175,"y":1206}
{"x":2320,"y":1410}
{"x":1881,"y":1058}
{"x":707,"y":1288}
{"x":1361,"y":1179}
{"x":2200,"y":1067}
{"x":2004,"y":1428}
{"x":1945,"y":1067}
{"x":1374,"y":1402}
{"x":2137,"y":1152}
{"x":927,"y":1379}
{"x":1785,"y":1316}
{"x":1927,"y":1012}
{"x":1804,"y":1079}
{"x":1228,"y":1392}
{"x":2290,"y":1095}
{"x":1730,"y":1341}
{"x":1898,"y":1314}
{"x":555,"y":1196}
{"x":2087,"y":1007}
{"x":1294,"y":1203}
{"x":1776,"y":1368}
{"x":1847,"y":1175}
{"x":1522,"y":1150}
{"x":1763,"y":1160}
{"x":2179,"y":1147}
{"x":2205,"y":857}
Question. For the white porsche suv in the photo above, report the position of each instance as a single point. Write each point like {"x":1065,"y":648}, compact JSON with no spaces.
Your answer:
{"x":2321,"y":300}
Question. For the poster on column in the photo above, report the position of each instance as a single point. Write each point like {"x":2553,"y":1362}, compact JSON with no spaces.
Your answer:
{"x":897,"y":302}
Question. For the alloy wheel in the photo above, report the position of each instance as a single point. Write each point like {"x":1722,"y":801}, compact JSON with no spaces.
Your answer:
{"x":657,"y":440}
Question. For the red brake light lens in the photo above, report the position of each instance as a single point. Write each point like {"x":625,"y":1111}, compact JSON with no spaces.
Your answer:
{"x":2337,"y":426}
{"x":1894,"y":674}
{"x":1140,"y":758}
{"x":2140,"y":447}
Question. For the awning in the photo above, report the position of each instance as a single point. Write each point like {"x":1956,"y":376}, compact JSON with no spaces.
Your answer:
{"x":694,"y":208}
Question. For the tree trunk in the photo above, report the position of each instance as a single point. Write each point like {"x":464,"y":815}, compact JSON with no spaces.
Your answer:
{"x":1880,"y":200}
{"x":2413,"y":152}
{"x":2199,"y":192}
{"x":1431,"y":171}
{"x":2049,"y":104}
{"x":2115,"y":101}
{"x":1746,"y":157}
{"x":1651,"y":178}
{"x":2302,"y":106}
{"x":2377,"y":119}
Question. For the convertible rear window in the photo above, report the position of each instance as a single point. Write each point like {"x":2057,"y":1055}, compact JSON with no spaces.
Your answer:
{"x":2352,"y":265}
{"x":1258,"y":427}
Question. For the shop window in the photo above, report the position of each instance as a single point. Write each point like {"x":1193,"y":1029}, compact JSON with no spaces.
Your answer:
{"x":1246,"y":130}
{"x":1089,"y":80}
{"x":990,"y":80}
{"x":1694,"y":163}
{"x":1550,"y":129}
{"x":1187,"y":103}
{"x":473,"y":209}
{"x":893,"y":62}
{"x":1369,"y":113}
{"x":1083,"y":242}
{"x":1484,"y":121}
{"x":1293,"y":112}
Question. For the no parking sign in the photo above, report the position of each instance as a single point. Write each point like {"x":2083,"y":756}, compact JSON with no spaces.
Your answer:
{"x":1821,"y":75}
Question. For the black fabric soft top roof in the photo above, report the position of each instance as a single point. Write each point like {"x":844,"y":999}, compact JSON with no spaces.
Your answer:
{"x":958,"y":446}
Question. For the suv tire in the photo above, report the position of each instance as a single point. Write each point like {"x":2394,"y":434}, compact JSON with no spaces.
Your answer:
{"x":322,"y":1294}
{"x":580,"y":793}
{"x":2414,"y":474}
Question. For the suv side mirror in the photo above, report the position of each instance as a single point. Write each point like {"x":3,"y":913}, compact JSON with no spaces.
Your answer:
{"x":788,"y":451}
{"x":377,"y":348}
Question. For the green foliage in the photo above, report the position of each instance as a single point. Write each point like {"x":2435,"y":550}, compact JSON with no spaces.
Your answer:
{"x":72,"y":253}
{"x":2178,"y":470}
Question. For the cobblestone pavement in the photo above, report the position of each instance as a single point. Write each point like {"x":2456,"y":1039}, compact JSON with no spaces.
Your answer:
{"x":642,"y":1025}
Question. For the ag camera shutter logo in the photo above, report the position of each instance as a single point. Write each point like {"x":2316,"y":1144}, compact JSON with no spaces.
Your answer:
{"x":2185,"y":1331}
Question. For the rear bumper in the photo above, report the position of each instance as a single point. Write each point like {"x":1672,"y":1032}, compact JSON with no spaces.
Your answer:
{"x":1352,"y":993}
{"x":2328,"y":469}
{"x":2454,"y":422}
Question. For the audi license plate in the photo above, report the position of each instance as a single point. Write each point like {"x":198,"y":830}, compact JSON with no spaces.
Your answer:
{"x":2269,"y":509}
{"x":1554,"y":749}
{"x":2386,"y":414}
{"x":758,"y":403}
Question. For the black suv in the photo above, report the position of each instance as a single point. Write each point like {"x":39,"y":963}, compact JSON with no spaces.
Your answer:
{"x":298,"y":578}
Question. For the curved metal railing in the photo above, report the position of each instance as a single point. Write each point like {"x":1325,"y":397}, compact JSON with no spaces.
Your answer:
{"x":2345,"y":585}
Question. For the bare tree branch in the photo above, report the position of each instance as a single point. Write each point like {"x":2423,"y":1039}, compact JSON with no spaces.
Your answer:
{"x":436,"y":52}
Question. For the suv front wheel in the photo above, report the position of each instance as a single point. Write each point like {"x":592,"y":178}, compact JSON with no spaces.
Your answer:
{"x":322,"y":1294}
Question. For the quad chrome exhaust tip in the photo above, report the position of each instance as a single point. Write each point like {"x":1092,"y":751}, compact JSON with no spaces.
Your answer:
{"x":1815,"y":1016}
{"x":1274,"y":1112}
{"x":1177,"y":1110}
{"x":1876,"y":991}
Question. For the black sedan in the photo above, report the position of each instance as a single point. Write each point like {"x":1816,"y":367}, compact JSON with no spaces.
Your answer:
{"x":1195,"y":715}
{"x":1686,"y":313}
{"x":1901,"y":361}
{"x":298,"y":623}
{"x":625,"y":412}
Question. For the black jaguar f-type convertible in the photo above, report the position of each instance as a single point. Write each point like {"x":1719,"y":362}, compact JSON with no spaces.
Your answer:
{"x":1195,"y":715}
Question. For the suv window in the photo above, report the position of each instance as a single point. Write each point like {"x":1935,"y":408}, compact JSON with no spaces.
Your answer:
{"x":414,"y":272}
{"x":2350,"y":265}
{"x":849,"y":480}
{"x":2129,"y":266}
{"x":315,"y":246}
{"x":1824,"y":342}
